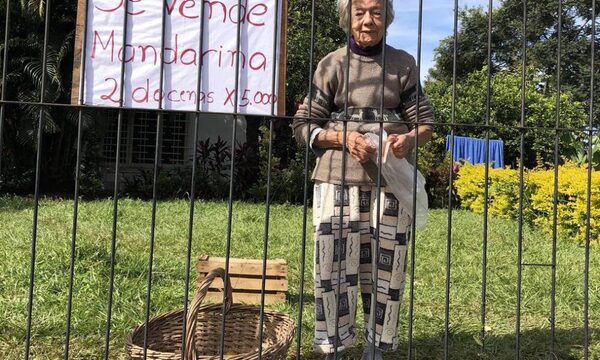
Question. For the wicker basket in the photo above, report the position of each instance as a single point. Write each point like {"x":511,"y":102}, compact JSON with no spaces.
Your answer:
{"x":203,"y":332}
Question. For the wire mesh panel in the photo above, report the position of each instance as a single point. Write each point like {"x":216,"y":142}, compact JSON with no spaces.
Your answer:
{"x":110,"y":140}
{"x":106,"y":204}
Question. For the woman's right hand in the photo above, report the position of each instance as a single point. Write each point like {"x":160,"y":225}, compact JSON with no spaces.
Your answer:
{"x":359,"y":147}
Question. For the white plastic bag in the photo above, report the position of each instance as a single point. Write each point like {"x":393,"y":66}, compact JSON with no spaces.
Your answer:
{"x":399,"y":177}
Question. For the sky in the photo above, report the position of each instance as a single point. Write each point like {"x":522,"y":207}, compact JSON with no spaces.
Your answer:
{"x":438,"y":23}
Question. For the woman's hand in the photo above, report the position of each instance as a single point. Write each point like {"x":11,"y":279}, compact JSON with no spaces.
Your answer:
{"x":359,"y":147}
{"x":401,"y":145}
{"x":357,"y":144}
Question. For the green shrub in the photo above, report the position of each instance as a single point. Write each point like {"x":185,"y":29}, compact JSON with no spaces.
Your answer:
{"x":434,"y":163}
{"x":287,"y":180}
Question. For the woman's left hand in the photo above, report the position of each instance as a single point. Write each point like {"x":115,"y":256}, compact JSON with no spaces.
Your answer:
{"x":401,"y":144}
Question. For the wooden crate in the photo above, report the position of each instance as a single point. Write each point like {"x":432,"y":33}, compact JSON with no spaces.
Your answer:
{"x":246,"y":279}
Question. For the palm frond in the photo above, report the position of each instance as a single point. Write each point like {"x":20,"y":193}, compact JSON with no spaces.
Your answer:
{"x":34,"y":7}
{"x":14,"y":77}
{"x":33,"y":68}
{"x":22,"y":45}
{"x":33,"y":112}
{"x":66,"y":47}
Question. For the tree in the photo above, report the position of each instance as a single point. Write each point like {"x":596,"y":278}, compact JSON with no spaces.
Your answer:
{"x":328,"y":37}
{"x":505,"y":112}
{"x":25,"y":70}
{"x":541,"y":39}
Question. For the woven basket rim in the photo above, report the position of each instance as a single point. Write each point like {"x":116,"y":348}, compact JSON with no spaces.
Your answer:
{"x":281,"y":321}
{"x":132,"y":346}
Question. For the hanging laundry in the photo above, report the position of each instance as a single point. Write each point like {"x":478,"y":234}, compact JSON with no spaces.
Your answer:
{"x":473,"y":150}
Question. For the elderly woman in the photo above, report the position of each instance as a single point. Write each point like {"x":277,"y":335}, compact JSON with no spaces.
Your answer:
{"x":323,"y":128}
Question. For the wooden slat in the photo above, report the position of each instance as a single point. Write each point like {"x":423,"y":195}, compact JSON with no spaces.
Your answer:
{"x":246,"y":298}
{"x":246,"y":279}
{"x":238,"y":283}
{"x":79,"y":34}
{"x":283,"y":59}
{"x":275,"y":268}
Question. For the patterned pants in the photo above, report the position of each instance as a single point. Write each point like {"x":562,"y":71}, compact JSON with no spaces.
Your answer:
{"x":357,"y":249}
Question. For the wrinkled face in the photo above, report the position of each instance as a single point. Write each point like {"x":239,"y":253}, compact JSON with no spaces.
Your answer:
{"x":368,"y":23}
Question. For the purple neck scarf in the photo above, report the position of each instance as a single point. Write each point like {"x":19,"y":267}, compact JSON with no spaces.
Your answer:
{"x":365,"y":51}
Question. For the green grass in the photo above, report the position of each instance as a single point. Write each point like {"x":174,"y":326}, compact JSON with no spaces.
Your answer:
{"x":92,"y":262}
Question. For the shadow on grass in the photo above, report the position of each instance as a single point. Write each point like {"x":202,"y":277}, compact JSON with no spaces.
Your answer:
{"x":535,"y":344}
{"x":294,"y":298}
{"x":15,"y":203}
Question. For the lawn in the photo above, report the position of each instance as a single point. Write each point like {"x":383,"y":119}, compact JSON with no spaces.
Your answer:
{"x":93,"y":255}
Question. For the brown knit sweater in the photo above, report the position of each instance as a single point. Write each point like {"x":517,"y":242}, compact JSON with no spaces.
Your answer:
{"x":329,"y":95}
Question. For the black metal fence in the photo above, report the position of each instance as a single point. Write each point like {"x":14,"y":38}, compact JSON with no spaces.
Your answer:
{"x":411,"y":351}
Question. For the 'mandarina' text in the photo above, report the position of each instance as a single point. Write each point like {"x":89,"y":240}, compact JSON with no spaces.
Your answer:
{"x":149,"y":54}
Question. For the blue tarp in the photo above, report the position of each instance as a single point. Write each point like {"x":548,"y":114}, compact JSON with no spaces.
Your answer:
{"x":473,"y":150}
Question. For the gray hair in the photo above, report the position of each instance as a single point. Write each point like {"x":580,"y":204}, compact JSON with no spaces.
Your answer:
{"x":343,"y":13}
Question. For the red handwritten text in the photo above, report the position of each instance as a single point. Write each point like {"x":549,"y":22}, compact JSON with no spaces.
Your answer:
{"x":141,"y":95}
{"x":174,"y":55}
{"x":249,"y":97}
{"x":120,"y":5}
{"x":112,"y":94}
{"x":253,"y":14}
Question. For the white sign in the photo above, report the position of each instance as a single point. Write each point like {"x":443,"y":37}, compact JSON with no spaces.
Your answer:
{"x":181,"y":56}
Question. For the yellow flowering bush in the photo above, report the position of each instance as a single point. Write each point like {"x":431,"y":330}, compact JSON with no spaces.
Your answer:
{"x":538,"y":197}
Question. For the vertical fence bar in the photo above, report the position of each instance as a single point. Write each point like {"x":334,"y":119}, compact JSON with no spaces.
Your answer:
{"x":76,"y":191}
{"x":4,"y":70}
{"x":229,"y":228}
{"x":268,"y":195}
{"x":152,"y":229}
{"x":339,"y":246}
{"x":343,"y":185}
{"x":586,"y":272}
{"x":306,"y":191}
{"x":188,"y":259}
{"x":231,"y":175}
{"x":265,"y":241}
{"x":73,"y":235}
{"x":555,"y":197}
{"x":375,"y":257}
{"x":113,"y":245}
{"x":484,"y":259}
{"x":157,"y":157}
{"x":450,"y":185}
{"x":413,"y":233}
{"x":188,"y":256}
{"x":38,"y":170}
{"x":521,"y":185}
